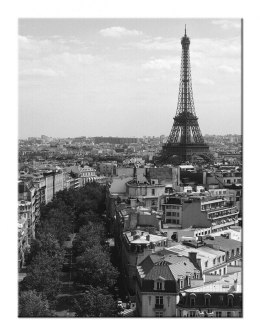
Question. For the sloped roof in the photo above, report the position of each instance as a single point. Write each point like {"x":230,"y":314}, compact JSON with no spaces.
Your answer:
{"x":169,"y":266}
{"x":160,"y":270}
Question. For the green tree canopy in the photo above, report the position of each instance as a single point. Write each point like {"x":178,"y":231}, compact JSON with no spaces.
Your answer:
{"x":93,"y":267}
{"x":44,"y":242}
{"x":32,"y":304}
{"x":43,"y":275}
{"x":96,"y":302}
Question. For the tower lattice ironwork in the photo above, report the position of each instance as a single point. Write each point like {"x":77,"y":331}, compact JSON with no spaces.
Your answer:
{"x":185,"y":139}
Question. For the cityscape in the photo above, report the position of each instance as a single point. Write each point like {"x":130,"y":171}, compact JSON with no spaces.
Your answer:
{"x":134,"y":225}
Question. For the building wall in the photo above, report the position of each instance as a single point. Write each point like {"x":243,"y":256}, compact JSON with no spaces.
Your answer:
{"x":192,"y":216}
{"x":170,"y":301}
{"x":49,"y":188}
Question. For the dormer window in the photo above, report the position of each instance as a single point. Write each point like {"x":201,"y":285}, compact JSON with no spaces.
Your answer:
{"x":230,"y":300}
{"x":181,"y":283}
{"x":188,"y":280}
{"x":192,"y":300}
{"x":159,"y":285}
{"x":207,"y":299}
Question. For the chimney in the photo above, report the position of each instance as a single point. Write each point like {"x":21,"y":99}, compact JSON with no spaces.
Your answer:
{"x":148,"y":237}
{"x":193,"y":257}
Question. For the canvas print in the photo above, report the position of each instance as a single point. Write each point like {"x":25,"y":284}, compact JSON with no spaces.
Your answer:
{"x":130,"y":168}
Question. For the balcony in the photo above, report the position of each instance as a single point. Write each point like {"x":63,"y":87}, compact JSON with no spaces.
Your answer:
{"x":157,"y":306}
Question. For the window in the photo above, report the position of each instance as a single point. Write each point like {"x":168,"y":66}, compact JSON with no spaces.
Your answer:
{"x":159,"y":300}
{"x":181,"y":284}
{"x":159,"y":285}
{"x":221,"y":299}
{"x":188,"y":280}
{"x":230,"y":301}
{"x":214,"y":261}
{"x":220,"y":272}
{"x":219,"y":259}
{"x":207,"y":299}
{"x":158,"y":314}
{"x":153,"y":191}
{"x":192,"y":301}
{"x":218,"y":314}
{"x":229,"y":314}
{"x":237,"y":251}
{"x":206,"y":264}
{"x":150,"y":298}
{"x":223,"y":258}
{"x":192,"y":314}
{"x":240,"y":314}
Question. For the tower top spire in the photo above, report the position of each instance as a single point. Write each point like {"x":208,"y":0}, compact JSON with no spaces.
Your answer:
{"x":185,"y":31}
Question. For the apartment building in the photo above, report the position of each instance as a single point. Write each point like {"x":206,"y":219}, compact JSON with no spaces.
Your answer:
{"x":160,"y":278}
{"x":180,"y":212}
{"x":135,"y":246}
{"x":222,"y":298}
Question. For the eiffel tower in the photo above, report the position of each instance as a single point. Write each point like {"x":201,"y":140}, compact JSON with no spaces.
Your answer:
{"x":185,"y":139}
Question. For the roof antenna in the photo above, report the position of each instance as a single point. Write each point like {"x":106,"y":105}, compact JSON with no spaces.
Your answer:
{"x":185,"y":31}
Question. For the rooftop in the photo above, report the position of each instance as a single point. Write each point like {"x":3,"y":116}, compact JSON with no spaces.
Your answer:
{"x":143,"y":237}
{"x":228,"y":284}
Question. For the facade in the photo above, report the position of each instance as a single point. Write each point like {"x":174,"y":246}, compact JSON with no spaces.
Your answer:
{"x":108,"y":168}
{"x":134,"y":247}
{"x":146,"y":192}
{"x":23,"y":240}
{"x":180,"y":212}
{"x":29,"y":204}
{"x":85,"y":174}
{"x":53,"y":183}
{"x":161,"y":277}
{"x":222,"y":298}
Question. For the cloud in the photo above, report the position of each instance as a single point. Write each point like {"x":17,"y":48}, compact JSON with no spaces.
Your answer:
{"x":51,"y":57}
{"x":47,"y":72}
{"x":229,"y":69}
{"x":157,"y":43}
{"x":228,"y":24}
{"x":161,"y":64}
{"x":118,"y":32}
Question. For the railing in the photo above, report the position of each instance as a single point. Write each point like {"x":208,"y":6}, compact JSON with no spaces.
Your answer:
{"x":157,"y":306}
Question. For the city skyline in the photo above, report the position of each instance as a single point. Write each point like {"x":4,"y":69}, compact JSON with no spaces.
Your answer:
{"x":99,"y":77}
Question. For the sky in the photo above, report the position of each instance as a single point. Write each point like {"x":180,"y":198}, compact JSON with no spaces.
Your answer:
{"x":120,"y":77}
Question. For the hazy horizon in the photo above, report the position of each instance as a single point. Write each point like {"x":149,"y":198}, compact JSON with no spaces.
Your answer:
{"x":120,"y":77}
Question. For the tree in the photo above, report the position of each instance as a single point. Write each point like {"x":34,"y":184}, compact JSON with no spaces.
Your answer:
{"x":89,"y":236}
{"x":43,"y":275}
{"x":96,"y":302}
{"x":32,"y":304}
{"x":57,"y":223}
{"x":45,"y":242}
{"x":93,"y":267}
